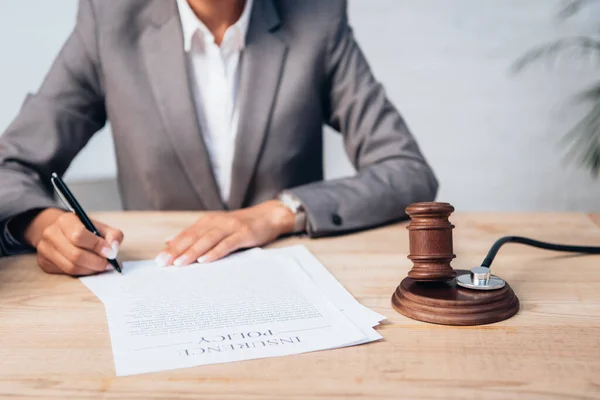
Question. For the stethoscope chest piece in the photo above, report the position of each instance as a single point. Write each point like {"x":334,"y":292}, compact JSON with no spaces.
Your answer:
{"x":480,"y":278}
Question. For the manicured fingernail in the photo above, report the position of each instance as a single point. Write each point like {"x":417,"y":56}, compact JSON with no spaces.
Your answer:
{"x":169,"y":239}
{"x":107,"y":252}
{"x":203,"y":259}
{"x":181,"y":261}
{"x":162,"y":259}
{"x":115,"y":247}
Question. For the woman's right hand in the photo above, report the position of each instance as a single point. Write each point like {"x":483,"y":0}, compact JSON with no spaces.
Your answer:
{"x":65,"y":246}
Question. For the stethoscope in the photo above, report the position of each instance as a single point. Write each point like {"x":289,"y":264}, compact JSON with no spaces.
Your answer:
{"x":481,"y":278}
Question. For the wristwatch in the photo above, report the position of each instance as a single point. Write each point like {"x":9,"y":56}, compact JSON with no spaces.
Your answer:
{"x":294,"y":205}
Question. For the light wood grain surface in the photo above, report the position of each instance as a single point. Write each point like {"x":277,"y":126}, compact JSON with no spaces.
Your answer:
{"x":54,"y":341}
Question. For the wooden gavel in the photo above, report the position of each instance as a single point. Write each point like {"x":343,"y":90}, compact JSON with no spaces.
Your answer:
{"x":430,"y":237}
{"x":430,"y":293}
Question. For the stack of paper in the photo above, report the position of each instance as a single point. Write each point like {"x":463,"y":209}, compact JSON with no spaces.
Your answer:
{"x":256,"y":304}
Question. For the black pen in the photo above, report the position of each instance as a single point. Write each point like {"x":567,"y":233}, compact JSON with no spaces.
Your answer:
{"x":72,"y":204}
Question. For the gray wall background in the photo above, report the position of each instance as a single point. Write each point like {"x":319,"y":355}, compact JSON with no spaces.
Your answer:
{"x":493,"y":138}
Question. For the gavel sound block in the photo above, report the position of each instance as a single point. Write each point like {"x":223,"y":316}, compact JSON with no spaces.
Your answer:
{"x":430,"y":292}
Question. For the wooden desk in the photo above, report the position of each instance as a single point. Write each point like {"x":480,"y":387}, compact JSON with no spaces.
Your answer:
{"x":54,"y":341}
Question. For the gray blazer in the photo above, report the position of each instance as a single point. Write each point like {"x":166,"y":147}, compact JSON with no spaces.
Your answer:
{"x":301,"y":68}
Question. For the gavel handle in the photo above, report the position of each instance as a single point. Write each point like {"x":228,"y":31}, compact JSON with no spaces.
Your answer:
{"x":487,"y":262}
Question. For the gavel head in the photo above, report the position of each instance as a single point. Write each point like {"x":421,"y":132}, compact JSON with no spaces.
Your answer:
{"x":430,"y":238}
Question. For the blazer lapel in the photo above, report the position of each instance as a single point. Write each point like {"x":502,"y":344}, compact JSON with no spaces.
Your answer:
{"x":261,"y":67}
{"x":162,"y":47}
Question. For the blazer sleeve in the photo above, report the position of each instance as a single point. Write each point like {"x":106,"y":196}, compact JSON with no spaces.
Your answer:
{"x":391,"y":171}
{"x":53,"y":125}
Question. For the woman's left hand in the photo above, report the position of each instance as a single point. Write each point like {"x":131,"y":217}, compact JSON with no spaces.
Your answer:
{"x":217,"y":234}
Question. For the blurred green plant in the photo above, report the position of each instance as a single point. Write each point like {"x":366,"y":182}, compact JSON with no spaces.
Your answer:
{"x":583,"y":140}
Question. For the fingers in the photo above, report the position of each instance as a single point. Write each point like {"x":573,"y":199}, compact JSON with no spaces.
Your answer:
{"x":189,"y":245}
{"x":47,"y":266}
{"x":175,"y":248}
{"x":180,"y":244}
{"x":114,"y":237}
{"x":72,"y":228}
{"x":206,"y":242}
{"x":52,"y":261}
{"x":224,"y":248}
{"x":76,"y":255}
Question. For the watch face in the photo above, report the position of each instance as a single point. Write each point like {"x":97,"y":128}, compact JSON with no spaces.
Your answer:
{"x":290,"y":202}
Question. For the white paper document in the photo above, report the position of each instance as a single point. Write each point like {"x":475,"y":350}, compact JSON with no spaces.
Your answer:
{"x":255,"y":304}
{"x":330,"y":286}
